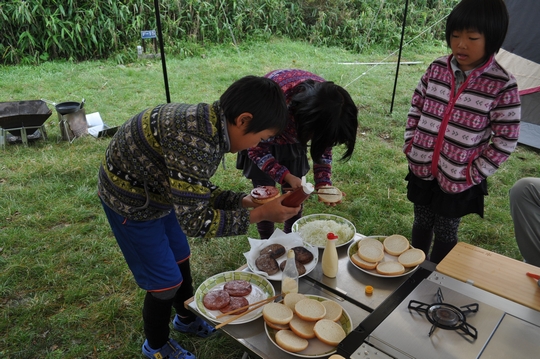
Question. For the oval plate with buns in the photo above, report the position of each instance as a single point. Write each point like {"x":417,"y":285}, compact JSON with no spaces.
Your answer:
{"x":261,"y":289}
{"x":315,"y":348}
{"x":360,"y":259}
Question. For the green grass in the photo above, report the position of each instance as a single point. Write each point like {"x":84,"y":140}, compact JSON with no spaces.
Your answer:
{"x":65,"y":289}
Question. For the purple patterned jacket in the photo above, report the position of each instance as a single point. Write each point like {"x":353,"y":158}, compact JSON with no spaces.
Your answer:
{"x":462,"y":137}
{"x":288,"y":80}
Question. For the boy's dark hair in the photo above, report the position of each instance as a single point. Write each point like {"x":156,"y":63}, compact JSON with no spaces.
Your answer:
{"x":325,"y":114}
{"x":259,"y":96}
{"x":488,"y":17}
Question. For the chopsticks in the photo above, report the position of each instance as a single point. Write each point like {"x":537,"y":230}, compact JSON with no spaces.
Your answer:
{"x":253,"y":306}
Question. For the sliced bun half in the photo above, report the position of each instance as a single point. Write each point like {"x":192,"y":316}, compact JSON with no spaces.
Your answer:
{"x":396,"y":244}
{"x":277,"y":313}
{"x":390,"y":268}
{"x":302,"y":328}
{"x":412,"y":257}
{"x":370,"y":253}
{"x":309,"y":309}
{"x":330,"y":194}
{"x":329,"y":332}
{"x":372,"y":241}
{"x":333,"y":310}
{"x":290,"y":341}
{"x":362,"y":263}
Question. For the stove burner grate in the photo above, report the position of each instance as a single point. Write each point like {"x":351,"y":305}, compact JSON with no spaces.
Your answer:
{"x":446,"y":316}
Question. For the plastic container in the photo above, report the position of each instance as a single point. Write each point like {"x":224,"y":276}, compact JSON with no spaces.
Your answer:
{"x":330,"y":257}
{"x":289,"y":279}
{"x":299,"y":195}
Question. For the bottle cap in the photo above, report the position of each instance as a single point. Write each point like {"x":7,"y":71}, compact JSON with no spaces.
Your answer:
{"x":331,"y":235}
{"x":369,"y":289}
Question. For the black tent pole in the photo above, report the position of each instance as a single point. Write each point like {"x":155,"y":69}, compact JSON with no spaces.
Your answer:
{"x":162,"y":51}
{"x":399,"y":56}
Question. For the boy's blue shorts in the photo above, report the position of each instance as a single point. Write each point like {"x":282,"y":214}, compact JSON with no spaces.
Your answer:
{"x":152,"y":249}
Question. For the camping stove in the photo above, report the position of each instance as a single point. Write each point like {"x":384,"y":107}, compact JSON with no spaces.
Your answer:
{"x":435,"y":316}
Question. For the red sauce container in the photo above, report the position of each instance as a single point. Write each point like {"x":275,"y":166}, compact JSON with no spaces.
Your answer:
{"x":298,"y":196}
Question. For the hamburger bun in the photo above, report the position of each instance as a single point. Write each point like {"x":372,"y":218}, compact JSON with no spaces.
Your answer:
{"x":362,"y":263}
{"x":329,"y":194}
{"x":302,"y":328}
{"x":333,"y":310}
{"x":372,"y":241}
{"x":396,"y":244}
{"x":370,"y":253}
{"x":412,"y":257}
{"x":291,"y":299}
{"x":290,"y":341}
{"x":277,"y":313}
{"x":309,"y":309}
{"x":390,"y":268}
{"x":277,"y":326}
{"x":263,"y":194}
{"x":329,"y":332}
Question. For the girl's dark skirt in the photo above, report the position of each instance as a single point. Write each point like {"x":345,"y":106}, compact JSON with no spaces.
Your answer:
{"x":292,"y":156}
{"x":456,"y":205}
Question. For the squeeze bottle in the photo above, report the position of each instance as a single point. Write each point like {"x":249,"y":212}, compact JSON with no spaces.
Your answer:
{"x":289,"y":279}
{"x":299,"y":195}
{"x":330,"y":256}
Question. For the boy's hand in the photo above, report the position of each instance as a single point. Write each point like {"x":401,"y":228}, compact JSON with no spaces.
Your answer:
{"x":273,"y":211}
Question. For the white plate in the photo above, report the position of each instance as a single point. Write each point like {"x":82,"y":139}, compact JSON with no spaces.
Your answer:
{"x":342,"y":241}
{"x":316,"y":348}
{"x":261,"y":289}
{"x":278,"y":276}
{"x":353,"y":248}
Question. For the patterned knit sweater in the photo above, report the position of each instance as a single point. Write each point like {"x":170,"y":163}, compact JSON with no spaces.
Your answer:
{"x":162,"y":159}
{"x":289,"y":80}
{"x":462,"y":137}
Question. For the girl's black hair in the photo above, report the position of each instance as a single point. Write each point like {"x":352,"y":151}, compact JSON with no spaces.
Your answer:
{"x":488,"y":17}
{"x":326,"y":115}
{"x":259,"y":96}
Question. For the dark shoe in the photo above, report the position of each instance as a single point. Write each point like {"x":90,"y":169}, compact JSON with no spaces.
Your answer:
{"x":198,"y":327}
{"x":171,"y":350}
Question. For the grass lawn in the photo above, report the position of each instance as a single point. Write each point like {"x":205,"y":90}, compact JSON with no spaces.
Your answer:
{"x":65,"y":290}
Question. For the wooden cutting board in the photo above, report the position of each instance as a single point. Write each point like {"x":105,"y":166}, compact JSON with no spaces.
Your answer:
{"x":493,"y":272}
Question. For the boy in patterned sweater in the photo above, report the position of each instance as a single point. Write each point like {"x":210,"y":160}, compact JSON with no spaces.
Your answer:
{"x":155,"y":187}
{"x":462,"y":125}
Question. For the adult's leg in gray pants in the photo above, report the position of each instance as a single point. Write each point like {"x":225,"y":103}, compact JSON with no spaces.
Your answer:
{"x":525,"y":212}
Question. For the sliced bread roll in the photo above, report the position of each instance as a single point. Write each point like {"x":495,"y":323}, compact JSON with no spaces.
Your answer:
{"x":329,"y":332}
{"x":333,"y":310}
{"x":302,"y":328}
{"x":373,"y":241}
{"x":277,"y":313}
{"x":290,"y":341}
{"x":291,"y":299}
{"x":370,"y":253}
{"x":330,"y":194}
{"x":396,"y":244}
{"x":412,"y":257}
{"x":309,"y":309}
{"x":390,"y":268}
{"x":277,"y":326}
{"x":362,"y":263}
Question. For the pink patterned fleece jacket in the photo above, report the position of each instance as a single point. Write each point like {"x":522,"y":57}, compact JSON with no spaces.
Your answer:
{"x":462,"y":137}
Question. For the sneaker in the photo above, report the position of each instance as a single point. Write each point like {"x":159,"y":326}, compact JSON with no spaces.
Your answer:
{"x":198,"y":327}
{"x":171,"y":350}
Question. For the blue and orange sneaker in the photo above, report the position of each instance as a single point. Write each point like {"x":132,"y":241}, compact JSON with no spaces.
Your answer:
{"x":171,"y":350}
{"x":198,"y":327}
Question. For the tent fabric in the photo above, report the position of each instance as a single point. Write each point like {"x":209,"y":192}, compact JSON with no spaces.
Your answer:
{"x":520,"y":54}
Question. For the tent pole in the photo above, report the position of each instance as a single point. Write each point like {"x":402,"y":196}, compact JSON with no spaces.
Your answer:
{"x":399,"y":55}
{"x":162,"y":51}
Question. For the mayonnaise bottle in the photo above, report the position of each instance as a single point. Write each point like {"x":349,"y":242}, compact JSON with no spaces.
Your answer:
{"x":330,"y":257}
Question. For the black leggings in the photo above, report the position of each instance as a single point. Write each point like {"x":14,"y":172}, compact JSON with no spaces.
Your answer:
{"x":157,"y":311}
